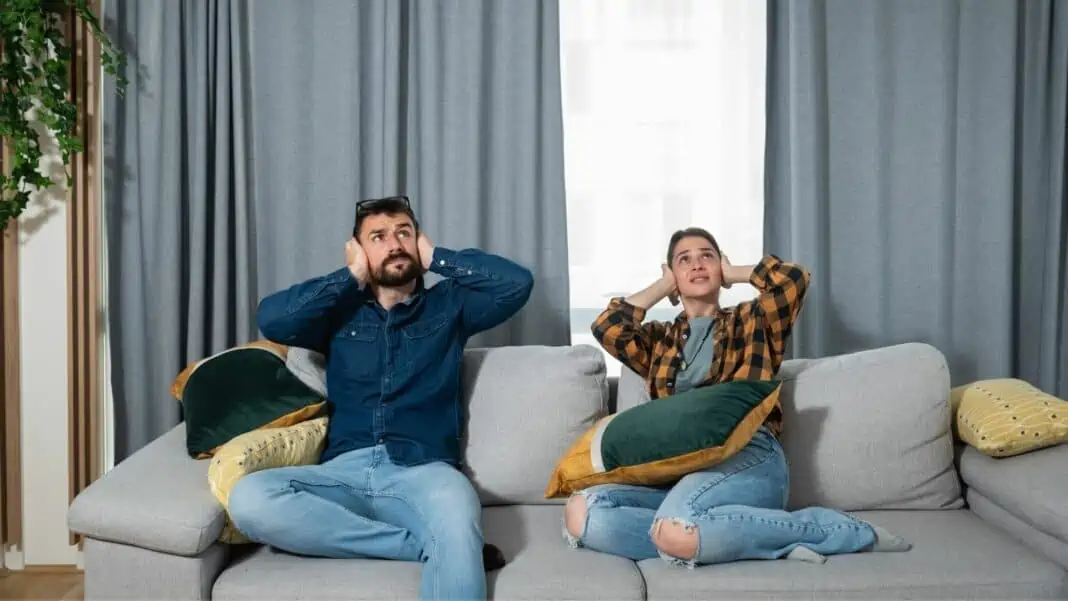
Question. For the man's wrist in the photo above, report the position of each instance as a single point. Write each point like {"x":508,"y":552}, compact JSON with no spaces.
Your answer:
{"x":429,"y":259}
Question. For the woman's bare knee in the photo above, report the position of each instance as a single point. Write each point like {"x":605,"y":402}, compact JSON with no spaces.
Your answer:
{"x":575,"y":515}
{"x":675,"y":539}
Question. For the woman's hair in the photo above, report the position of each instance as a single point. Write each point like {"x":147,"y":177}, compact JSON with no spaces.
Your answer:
{"x":689,"y":233}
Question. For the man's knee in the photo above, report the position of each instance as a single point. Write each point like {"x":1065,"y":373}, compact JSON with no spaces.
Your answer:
{"x":452,"y":509}
{"x":249,"y":503}
{"x":454,"y":496}
{"x":675,"y":539}
{"x":575,"y":515}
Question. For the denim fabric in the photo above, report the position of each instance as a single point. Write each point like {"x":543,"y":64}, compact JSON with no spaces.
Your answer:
{"x":361,"y":505}
{"x":393,"y":377}
{"x":737,"y":509}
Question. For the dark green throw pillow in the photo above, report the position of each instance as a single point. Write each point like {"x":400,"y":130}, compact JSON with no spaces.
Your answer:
{"x":662,"y":440}
{"x":693,"y":421}
{"x":240,"y":390}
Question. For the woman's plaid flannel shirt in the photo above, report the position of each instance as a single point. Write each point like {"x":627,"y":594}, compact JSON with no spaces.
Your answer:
{"x":749,"y":339}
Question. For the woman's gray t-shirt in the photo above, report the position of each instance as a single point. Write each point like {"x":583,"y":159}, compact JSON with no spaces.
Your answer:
{"x":697,"y":355}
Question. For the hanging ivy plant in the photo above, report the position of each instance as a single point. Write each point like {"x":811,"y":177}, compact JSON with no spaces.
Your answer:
{"x":34,"y":87}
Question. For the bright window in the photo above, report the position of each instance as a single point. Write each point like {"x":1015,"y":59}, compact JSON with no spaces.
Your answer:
{"x":664,"y":129}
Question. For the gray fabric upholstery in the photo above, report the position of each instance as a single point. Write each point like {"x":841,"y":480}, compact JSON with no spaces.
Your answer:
{"x":262,"y":574}
{"x":871,"y":430}
{"x":309,"y":367}
{"x":540,"y":566}
{"x":631,"y":392}
{"x":516,"y":433}
{"x":995,"y":515}
{"x":1033,"y":487}
{"x":114,"y":571}
{"x":955,"y":556}
{"x":158,"y":498}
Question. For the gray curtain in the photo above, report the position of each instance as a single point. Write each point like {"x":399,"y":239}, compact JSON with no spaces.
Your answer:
{"x":915,"y":162}
{"x":250,"y":128}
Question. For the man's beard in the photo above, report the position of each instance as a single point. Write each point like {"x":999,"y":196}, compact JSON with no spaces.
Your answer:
{"x":390,"y":278}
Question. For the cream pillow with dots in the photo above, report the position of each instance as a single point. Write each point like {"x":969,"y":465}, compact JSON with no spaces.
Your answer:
{"x":1006,"y":417}
{"x":300,"y":444}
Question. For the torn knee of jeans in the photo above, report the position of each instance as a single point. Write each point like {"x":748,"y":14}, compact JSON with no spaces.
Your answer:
{"x":575,"y":525}
{"x":677,"y":541}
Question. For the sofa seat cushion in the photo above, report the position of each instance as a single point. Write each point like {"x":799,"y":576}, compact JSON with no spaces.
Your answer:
{"x":955,"y":555}
{"x":540,"y":566}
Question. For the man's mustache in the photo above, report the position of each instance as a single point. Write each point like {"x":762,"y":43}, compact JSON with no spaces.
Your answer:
{"x":398,"y":256}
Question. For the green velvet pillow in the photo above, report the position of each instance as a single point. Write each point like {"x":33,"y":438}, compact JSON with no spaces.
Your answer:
{"x":240,"y":390}
{"x":662,"y":440}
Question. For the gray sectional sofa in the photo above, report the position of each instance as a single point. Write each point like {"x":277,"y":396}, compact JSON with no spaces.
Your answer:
{"x":867,"y":432}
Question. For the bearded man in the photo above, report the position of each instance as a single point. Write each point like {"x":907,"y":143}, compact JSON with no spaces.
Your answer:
{"x":389,"y":483}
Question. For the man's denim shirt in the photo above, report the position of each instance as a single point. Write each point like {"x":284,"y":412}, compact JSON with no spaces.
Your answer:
{"x":393,"y":377}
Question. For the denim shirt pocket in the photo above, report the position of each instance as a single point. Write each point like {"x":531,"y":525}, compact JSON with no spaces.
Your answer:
{"x":357,"y":346}
{"x":426,"y":342}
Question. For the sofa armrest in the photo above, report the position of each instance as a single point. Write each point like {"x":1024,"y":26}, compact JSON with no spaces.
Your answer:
{"x":157,"y":499}
{"x":1032,"y":487}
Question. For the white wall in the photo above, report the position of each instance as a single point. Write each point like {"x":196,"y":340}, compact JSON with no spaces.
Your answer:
{"x":43,"y":307}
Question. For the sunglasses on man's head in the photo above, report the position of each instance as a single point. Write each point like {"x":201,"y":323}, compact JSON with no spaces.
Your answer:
{"x":372,"y":204}
{"x":389,"y":204}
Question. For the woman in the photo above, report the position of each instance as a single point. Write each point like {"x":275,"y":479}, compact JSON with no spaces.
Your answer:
{"x":736,"y":509}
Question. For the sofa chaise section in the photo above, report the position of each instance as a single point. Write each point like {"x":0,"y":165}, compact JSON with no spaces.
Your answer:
{"x":151,"y":525}
{"x":955,"y":555}
{"x":1025,"y":495}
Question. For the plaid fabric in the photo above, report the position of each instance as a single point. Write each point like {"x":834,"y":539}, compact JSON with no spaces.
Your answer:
{"x":750,"y":338}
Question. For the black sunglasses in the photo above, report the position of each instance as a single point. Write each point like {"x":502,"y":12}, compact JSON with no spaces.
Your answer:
{"x":372,"y":204}
{"x":389,"y":204}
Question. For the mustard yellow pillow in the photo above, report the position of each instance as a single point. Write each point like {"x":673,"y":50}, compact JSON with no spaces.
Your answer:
{"x":1006,"y":417}
{"x":300,"y":444}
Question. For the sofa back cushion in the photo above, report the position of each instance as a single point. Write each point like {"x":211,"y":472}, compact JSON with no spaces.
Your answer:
{"x":870,"y":430}
{"x":863,"y":431}
{"x":525,"y":406}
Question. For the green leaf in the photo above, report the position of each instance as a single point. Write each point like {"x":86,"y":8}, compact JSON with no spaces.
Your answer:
{"x":27,"y":72}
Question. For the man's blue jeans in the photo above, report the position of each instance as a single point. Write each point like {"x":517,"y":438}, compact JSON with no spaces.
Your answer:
{"x":737,"y":509}
{"x":359,"y":504}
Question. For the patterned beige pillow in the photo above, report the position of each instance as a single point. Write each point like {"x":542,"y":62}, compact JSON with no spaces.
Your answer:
{"x":1006,"y":417}
{"x":300,"y":444}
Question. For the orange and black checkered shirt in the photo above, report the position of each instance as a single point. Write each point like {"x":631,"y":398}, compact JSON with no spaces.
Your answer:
{"x":750,"y":338}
